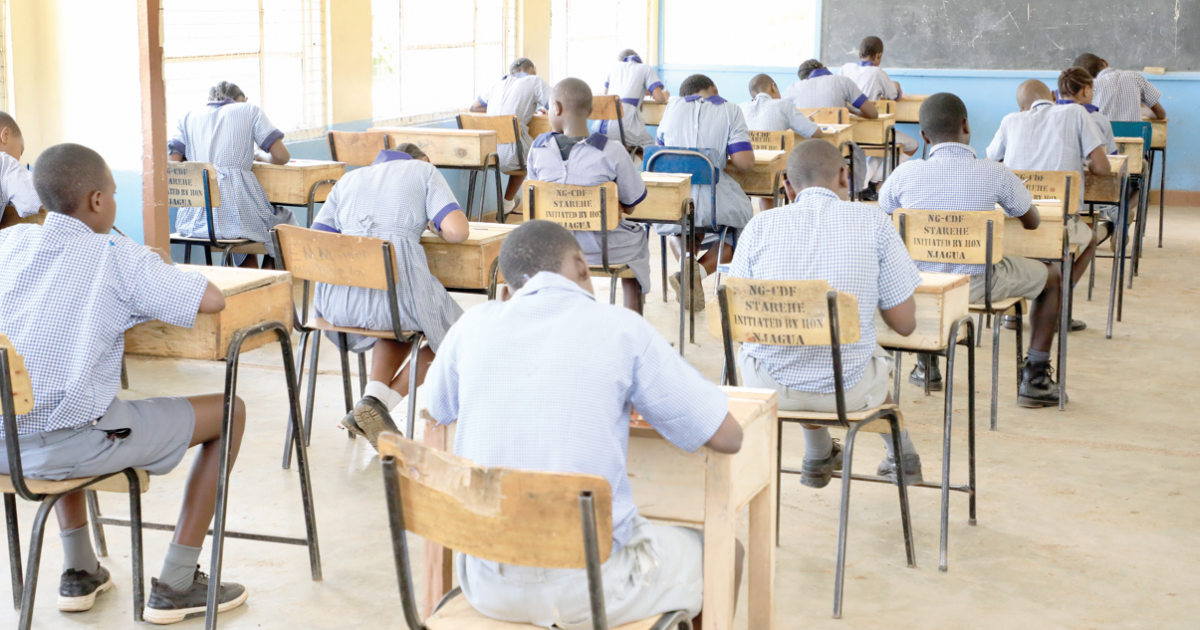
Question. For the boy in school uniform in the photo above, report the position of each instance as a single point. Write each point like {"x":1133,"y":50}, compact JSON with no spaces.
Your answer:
{"x":821,"y":236}
{"x":16,"y":181}
{"x":520,"y":93}
{"x":631,"y":79}
{"x":1050,"y":137}
{"x":877,"y":85}
{"x":768,"y":111}
{"x":818,"y":87}
{"x":569,"y":155}
{"x":587,"y":364}
{"x":68,"y":279}
{"x":952,"y":178}
{"x":1120,"y":94}
{"x":702,"y":120}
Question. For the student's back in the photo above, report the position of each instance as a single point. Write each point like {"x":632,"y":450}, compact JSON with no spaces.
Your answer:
{"x":824,"y":89}
{"x":871,"y":80}
{"x":764,"y":113}
{"x":718,"y":127}
{"x":1120,"y":94}
{"x":1047,"y":137}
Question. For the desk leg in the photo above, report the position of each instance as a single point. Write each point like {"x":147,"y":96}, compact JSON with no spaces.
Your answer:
{"x":761,"y":570}
{"x":439,"y":568}
{"x":719,"y":544}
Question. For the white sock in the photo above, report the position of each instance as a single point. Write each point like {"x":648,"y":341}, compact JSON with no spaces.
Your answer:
{"x":384,"y":394}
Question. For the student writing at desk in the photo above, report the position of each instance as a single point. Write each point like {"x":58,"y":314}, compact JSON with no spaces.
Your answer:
{"x":1075,"y":85}
{"x":631,"y":80}
{"x":520,"y":93}
{"x":16,"y":181}
{"x":70,"y":280}
{"x":568,"y":155}
{"x":395,"y":199}
{"x":877,"y":85}
{"x":818,"y":87}
{"x":767,"y":110}
{"x":1121,"y":93}
{"x":225,"y":133}
{"x":583,"y":366}
{"x":705,"y":121}
{"x":854,"y":247}
{"x":1044,"y":136}
{"x":954,"y":179}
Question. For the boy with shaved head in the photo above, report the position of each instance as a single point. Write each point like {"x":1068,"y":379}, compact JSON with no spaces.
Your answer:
{"x":16,"y":181}
{"x":853,"y":246}
{"x":877,"y":85}
{"x":767,"y":111}
{"x":569,"y":155}
{"x":68,"y":293}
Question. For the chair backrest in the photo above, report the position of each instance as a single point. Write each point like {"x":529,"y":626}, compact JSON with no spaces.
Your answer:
{"x":18,"y":376}
{"x":944,"y":236}
{"x":1060,"y":185}
{"x":606,"y":108}
{"x":695,"y":162}
{"x":506,"y":127}
{"x":1143,"y":130}
{"x":188,"y":188}
{"x":503,"y":515}
{"x":351,"y":261}
{"x":885,"y":106}
{"x":357,"y":148}
{"x":827,"y":115}
{"x":16,"y":399}
{"x":783,"y":313}
{"x":577,"y":208}
{"x":773,"y":140}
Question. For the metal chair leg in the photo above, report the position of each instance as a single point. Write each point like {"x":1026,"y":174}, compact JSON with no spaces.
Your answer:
{"x":135,"y":543}
{"x":947,"y":423}
{"x":471,"y":193}
{"x":612,"y":288}
{"x":910,"y":550}
{"x":29,"y":593}
{"x":187,"y":253}
{"x":362,"y":374}
{"x":839,"y":571}
{"x":995,"y":369}
{"x":288,"y":437}
{"x":315,"y":342}
{"x":93,"y":508}
{"x":896,"y":377}
{"x":343,"y":343}
{"x":778,"y":478}
{"x":971,"y":333}
{"x":14,"y":548}
{"x":979,"y":326}
{"x":1162,"y":193}
{"x":413,"y":373}
{"x":1021,"y":346}
{"x":664,"y":265}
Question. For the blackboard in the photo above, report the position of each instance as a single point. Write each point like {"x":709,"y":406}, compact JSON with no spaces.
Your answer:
{"x":1004,"y":35}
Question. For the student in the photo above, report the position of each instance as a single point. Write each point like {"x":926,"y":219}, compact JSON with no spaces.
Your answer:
{"x":16,"y":181}
{"x":70,"y":280}
{"x":768,"y":111}
{"x":585,"y":365}
{"x":395,"y":198}
{"x":953,"y":179}
{"x":1075,"y":85}
{"x":818,"y":87}
{"x":1121,"y":93}
{"x":854,"y":247}
{"x":569,"y":155}
{"x":631,"y":79}
{"x":703,"y":120}
{"x":224,"y":133}
{"x":1049,"y":137}
{"x":520,"y":93}
{"x":877,"y":85}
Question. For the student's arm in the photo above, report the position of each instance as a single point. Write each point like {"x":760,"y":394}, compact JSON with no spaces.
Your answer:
{"x":1031,"y":219}
{"x":743,"y":161}
{"x":267,"y":136}
{"x":654,"y":87}
{"x":901,"y":318}
{"x":728,"y":438}
{"x":867,"y":110}
{"x":1017,"y":200}
{"x":996,"y":150}
{"x":738,"y":146}
{"x":454,"y":227}
{"x":18,"y":183}
{"x":798,"y":122}
{"x":478,"y":107}
{"x":856,"y":100}
{"x":213,"y":300}
{"x":898,"y":278}
{"x":177,"y":147}
{"x":1159,"y":112}
{"x":1098,"y":162}
{"x":631,"y":188}
{"x":441,"y":208}
{"x":278,"y":154}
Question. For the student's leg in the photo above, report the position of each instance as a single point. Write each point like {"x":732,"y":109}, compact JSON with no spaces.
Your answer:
{"x":1044,"y":313}
{"x":1085,"y":258}
{"x":514,"y":187}
{"x":632,"y":290}
{"x":268,"y":262}
{"x":200,"y":491}
{"x":705,"y":254}
{"x":765,"y":203}
{"x":425,"y":357}
{"x":250,"y":262}
{"x":78,"y":553}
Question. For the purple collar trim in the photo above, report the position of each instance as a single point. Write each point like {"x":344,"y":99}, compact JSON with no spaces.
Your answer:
{"x":388,"y":156}
{"x":866,"y":64}
{"x":820,"y":72}
{"x":1091,"y":109}
{"x":518,"y":75}
{"x":714,"y":99}
{"x":694,"y":97}
{"x":633,"y":58}
{"x":227,"y":101}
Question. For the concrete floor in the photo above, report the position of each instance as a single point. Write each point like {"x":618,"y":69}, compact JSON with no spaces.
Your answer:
{"x":1085,"y":516}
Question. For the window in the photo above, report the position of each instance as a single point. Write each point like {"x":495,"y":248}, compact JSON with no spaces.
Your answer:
{"x":3,"y":56}
{"x":587,"y":35}
{"x":436,"y":57}
{"x":272,"y":49}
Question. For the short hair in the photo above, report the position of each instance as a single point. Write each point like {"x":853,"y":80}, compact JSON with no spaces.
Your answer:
{"x":869,"y":47}
{"x":67,"y":173}
{"x":813,"y":164}
{"x":628,"y":52}
{"x":1072,"y":81}
{"x":807,"y":68}
{"x":760,"y":83}
{"x":942,"y":115}
{"x":1091,"y":63}
{"x":223,"y":91}
{"x":523,"y":64}
{"x":695,"y":84}
{"x":411,"y":149}
{"x":534,"y":247}
{"x":574,"y":94}
{"x":10,"y":123}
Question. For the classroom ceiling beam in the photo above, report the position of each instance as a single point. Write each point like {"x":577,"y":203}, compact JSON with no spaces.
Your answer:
{"x":155,"y":214}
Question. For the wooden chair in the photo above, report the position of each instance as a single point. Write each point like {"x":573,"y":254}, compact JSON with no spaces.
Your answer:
{"x":982,"y":244}
{"x":810,"y":313}
{"x":357,"y":148}
{"x":194,"y":185}
{"x":508,"y":131}
{"x":589,"y":211}
{"x":16,"y":398}
{"x":353,"y":261}
{"x":529,"y":518}
{"x":608,"y":108}
{"x":12,"y":217}
{"x":773,"y":140}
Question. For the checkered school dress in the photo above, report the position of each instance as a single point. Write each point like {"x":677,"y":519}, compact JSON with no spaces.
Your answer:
{"x":824,"y":89}
{"x":764,"y":113}
{"x":631,"y":80}
{"x":517,"y":95}
{"x":16,"y":187}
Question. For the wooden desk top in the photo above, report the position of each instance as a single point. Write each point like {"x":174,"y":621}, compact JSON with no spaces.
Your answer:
{"x":665,"y":196}
{"x":745,"y":403}
{"x":668,"y":180}
{"x":299,"y":165}
{"x":941,"y":282}
{"x":480,"y":234}
{"x":235,"y":280}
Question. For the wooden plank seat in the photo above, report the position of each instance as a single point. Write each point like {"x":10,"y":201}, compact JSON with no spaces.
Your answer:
{"x":1001,"y":306}
{"x":321,"y":324}
{"x":831,"y":419}
{"x":115,"y":483}
{"x":239,"y":245}
{"x":457,"y":614}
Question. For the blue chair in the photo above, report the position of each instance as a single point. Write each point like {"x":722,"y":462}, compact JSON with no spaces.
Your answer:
{"x":1144,"y":131}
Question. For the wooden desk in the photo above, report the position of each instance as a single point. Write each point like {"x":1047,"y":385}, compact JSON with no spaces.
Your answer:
{"x":1106,"y":189}
{"x":872,"y":130}
{"x":884,"y":106}
{"x":11,"y":217}
{"x":774,"y":140}
{"x":761,"y":181}
{"x":1133,"y":151}
{"x":908,"y":108}
{"x":652,"y":112}
{"x":837,"y":135}
{"x":941,"y":298}
{"x":1158,"y":132}
{"x":252,"y":296}
{"x":1046,"y":242}
{"x":290,"y":184}
{"x":466,"y":265}
{"x":447,"y":147}
{"x":538,"y":125}
{"x":704,"y":488}
{"x":666,"y":196}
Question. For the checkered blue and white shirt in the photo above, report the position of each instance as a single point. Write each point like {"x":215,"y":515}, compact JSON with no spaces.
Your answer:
{"x":854,"y":247}
{"x":1047,"y":137}
{"x":16,"y":187}
{"x":953,"y":179}
{"x":823,"y":89}
{"x":1120,"y":94}
{"x":67,"y":296}
{"x":764,"y":113}
{"x":576,"y":367}
{"x":872,"y":80}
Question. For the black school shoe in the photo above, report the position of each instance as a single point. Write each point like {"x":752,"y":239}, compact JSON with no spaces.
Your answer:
{"x":870,"y":193}
{"x":917,"y":377}
{"x":168,"y":605}
{"x":912,"y":469}
{"x":1037,"y":388}
{"x":369,"y":418}
{"x":77,"y":590}
{"x":816,"y":473}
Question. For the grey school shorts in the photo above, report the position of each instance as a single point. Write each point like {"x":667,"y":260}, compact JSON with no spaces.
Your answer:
{"x":159,"y":433}
{"x":1078,"y":232}
{"x":869,"y":392}
{"x":1012,"y":277}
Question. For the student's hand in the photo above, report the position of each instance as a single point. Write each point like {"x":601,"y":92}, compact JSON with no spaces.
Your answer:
{"x":162,"y":253}
{"x":432,"y":228}
{"x":627,"y":209}
{"x":667,"y":94}
{"x":262,"y":156}
{"x":728,"y":438}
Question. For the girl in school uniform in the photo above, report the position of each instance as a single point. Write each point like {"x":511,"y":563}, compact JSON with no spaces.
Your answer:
{"x":231,"y":134}
{"x":1075,"y":85}
{"x":396,"y":198}
{"x":520,"y":94}
{"x":818,"y":87}
{"x":631,"y":79}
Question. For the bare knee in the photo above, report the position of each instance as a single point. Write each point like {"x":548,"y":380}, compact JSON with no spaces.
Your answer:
{"x":239,"y":415}
{"x":1053,"y":277}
